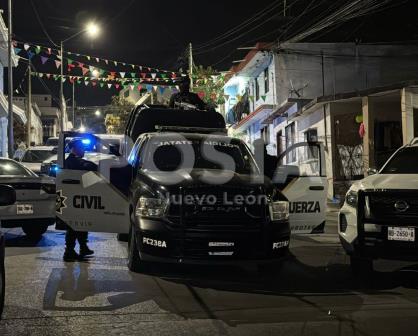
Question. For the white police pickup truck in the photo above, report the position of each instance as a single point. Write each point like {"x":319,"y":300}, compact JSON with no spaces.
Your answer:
{"x":379,"y":218}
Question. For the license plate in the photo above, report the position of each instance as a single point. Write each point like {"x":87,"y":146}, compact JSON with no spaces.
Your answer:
{"x":24,"y":209}
{"x":401,"y":234}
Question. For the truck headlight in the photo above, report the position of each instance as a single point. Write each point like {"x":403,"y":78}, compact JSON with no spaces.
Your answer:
{"x":351,"y":198}
{"x":279,"y":210}
{"x":150,"y":207}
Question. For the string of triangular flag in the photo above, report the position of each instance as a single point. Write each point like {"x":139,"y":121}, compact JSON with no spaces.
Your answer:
{"x":35,"y":49}
{"x":104,"y":83}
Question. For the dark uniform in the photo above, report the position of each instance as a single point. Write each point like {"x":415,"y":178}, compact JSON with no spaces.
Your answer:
{"x":77,"y":163}
{"x":189,"y":98}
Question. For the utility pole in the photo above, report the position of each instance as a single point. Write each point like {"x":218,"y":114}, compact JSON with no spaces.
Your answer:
{"x":10,"y":96}
{"x":73,"y":104}
{"x":62,"y":100}
{"x":191,"y":65}
{"x":29,"y":104}
{"x":323,"y":94}
{"x":284,"y":8}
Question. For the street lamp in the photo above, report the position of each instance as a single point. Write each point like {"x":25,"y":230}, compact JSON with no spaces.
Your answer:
{"x":92,"y":29}
{"x":97,"y":113}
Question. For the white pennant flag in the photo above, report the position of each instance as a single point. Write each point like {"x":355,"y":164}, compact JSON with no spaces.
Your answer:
{"x":86,"y":83}
{"x":26,"y":46}
{"x":131,"y":87}
{"x":97,"y":60}
{"x":109,"y":85}
{"x":122,"y":74}
{"x":153,"y":75}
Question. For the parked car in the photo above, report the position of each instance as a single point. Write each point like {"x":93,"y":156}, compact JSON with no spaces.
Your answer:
{"x":7,"y":197}
{"x":52,"y":141}
{"x":34,"y":210}
{"x":379,"y":216}
{"x":34,"y":156}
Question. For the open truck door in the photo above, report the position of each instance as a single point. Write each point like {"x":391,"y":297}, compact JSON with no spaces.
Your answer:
{"x":302,"y":179}
{"x":86,"y":200}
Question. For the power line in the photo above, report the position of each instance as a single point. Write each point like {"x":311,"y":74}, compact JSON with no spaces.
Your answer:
{"x":41,"y":24}
{"x":241,"y":26}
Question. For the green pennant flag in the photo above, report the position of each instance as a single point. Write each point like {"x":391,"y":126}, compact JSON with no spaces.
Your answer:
{"x":133,"y":74}
{"x":89,"y":58}
{"x":70,"y":61}
{"x":79,"y":81}
{"x":163,"y":76}
{"x":38,"y":49}
{"x":264,"y":97}
{"x":56,"y":77}
{"x":101,"y":84}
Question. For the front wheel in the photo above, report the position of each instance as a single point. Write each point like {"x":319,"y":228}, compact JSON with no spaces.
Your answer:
{"x":34,"y":231}
{"x":135,"y":264}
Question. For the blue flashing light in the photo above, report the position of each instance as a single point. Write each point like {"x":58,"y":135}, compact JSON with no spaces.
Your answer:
{"x":55,"y":168}
{"x":86,"y":142}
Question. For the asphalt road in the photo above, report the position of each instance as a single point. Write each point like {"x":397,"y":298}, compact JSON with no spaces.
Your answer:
{"x":313,"y":294}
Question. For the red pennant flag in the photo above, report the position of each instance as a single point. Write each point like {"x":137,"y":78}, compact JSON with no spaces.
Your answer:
{"x":85,"y":70}
{"x":80,"y":65}
{"x":117,"y":86}
{"x":143,"y":75}
{"x":48,"y":76}
{"x":139,"y":87}
{"x":71,"y":80}
{"x":49,"y":51}
{"x":173,"y":75}
{"x":94,"y":83}
{"x":113,"y":74}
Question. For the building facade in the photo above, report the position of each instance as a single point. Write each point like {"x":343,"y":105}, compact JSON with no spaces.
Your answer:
{"x":279,"y":94}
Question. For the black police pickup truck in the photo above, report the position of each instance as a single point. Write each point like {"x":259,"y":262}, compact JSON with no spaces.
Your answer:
{"x":188,"y":194}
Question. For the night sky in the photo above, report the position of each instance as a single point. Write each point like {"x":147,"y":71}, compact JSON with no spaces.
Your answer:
{"x":156,"y":33}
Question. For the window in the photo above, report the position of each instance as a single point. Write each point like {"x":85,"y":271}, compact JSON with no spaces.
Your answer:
{"x":290,"y":135}
{"x":257,"y":90}
{"x":266,"y":80}
{"x":10,"y":168}
{"x":405,"y":161}
{"x":311,"y":135}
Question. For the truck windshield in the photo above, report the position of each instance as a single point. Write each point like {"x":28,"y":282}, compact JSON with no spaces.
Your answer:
{"x":404,"y":162}
{"x":219,"y":154}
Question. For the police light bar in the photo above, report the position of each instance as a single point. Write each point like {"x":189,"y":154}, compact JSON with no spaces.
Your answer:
{"x":189,"y":129}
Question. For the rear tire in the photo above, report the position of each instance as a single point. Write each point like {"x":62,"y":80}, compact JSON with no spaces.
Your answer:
{"x":34,"y":231}
{"x":135,"y":264}
{"x":361,"y":266}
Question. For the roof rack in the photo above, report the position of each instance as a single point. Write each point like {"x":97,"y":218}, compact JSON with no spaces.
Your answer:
{"x":186,"y":129}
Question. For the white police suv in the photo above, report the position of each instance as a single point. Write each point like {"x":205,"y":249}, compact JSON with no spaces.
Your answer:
{"x":379,"y":218}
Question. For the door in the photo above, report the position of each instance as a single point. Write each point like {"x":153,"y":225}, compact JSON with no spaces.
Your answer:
{"x":302,"y":179}
{"x":87,"y":201}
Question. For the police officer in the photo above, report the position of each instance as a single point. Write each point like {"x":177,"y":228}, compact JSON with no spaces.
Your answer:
{"x":185,"y":96}
{"x":75,"y":161}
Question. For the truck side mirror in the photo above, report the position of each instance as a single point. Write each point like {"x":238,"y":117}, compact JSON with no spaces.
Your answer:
{"x":371,"y":171}
{"x":283,"y":173}
{"x":7,"y":195}
{"x":114,"y":149}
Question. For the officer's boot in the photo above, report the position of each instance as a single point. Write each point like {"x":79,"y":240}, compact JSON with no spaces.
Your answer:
{"x":71,"y":255}
{"x":85,"y":251}
{"x":82,"y":240}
